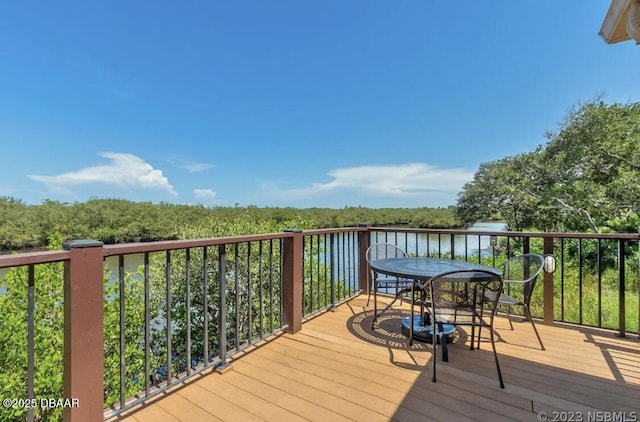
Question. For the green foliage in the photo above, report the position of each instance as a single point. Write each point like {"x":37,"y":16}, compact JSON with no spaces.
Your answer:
{"x":584,"y":178}
{"x":134,"y":318}
{"x":584,"y":292}
{"x":587,"y":292}
{"x":252,"y":312}
{"x":119,"y":221}
{"x":15,"y":224}
{"x":253,"y":299}
{"x":509,"y":188}
{"x":49,"y":336}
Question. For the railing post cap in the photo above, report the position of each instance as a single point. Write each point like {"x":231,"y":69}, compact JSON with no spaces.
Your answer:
{"x":291,"y":230}
{"x":82,"y":243}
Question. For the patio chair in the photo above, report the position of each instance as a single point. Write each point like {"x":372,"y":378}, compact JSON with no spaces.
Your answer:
{"x":454,"y":298}
{"x":395,"y":285}
{"x":519,"y":275}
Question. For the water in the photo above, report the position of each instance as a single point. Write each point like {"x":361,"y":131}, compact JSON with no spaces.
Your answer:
{"x":421,"y":244}
{"x":432,"y":244}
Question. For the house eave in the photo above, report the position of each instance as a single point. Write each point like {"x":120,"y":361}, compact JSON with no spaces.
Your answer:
{"x":614,"y":26}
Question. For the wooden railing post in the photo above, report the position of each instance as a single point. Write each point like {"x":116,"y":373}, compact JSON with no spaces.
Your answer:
{"x":83,"y":331}
{"x":548,"y":285}
{"x":364,"y":241}
{"x":292,"y":272}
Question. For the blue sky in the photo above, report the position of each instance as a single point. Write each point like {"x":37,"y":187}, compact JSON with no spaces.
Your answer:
{"x":326,"y":103}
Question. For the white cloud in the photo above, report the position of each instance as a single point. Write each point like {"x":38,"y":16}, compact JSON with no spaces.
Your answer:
{"x":197,"y":167}
{"x":123,"y":171}
{"x":418,"y":183}
{"x":190,"y":166}
{"x":204,"y":194}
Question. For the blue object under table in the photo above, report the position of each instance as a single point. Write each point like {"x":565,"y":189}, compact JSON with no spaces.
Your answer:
{"x":423,"y":330}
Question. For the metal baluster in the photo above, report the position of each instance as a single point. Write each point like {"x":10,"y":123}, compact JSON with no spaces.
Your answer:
{"x":318,"y":292}
{"x":31,"y":333}
{"x":311,"y":292}
{"x":205,"y":305}
{"x":236,"y":279}
{"x":622,"y":321}
{"x":222,"y":314}
{"x":352,"y":263}
{"x":147,"y":328}
{"x":562,"y":279}
{"x":122,"y":331}
{"x":599,"y":268}
{"x":271,"y":265}
{"x":260,"y":288}
{"x":188,"y":308}
{"x":281,"y":281}
{"x":327,"y":250}
{"x":580,"y":280}
{"x":466,"y":248}
{"x":249,"y":295}
{"x":167,"y":274}
{"x":332,"y":257}
{"x":452,"y":247}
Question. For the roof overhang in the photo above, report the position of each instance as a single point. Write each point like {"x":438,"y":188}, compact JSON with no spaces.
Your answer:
{"x":614,"y":27}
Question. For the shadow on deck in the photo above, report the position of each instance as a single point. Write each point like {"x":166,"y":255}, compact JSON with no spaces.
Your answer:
{"x":338,"y":368}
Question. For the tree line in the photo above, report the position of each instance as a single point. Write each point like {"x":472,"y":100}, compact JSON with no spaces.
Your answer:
{"x":111,"y":220}
{"x":585,"y":178}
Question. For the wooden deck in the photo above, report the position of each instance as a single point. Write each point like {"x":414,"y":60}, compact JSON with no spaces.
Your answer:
{"x":338,"y":369}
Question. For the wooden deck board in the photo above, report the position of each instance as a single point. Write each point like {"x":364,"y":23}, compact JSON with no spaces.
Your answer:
{"x":338,"y":368}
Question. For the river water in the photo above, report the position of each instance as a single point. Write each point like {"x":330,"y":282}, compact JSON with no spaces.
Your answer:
{"x":417,"y":244}
{"x":432,"y":244}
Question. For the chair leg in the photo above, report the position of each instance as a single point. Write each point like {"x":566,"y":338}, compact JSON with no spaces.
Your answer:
{"x":386,"y":308}
{"x":375,"y":315}
{"x":526,"y":309}
{"x":375,"y":305}
{"x":495,"y":353}
{"x":509,"y":317}
{"x":480,"y":324}
{"x":434,"y":339}
{"x":413,"y":300}
{"x":443,"y":342}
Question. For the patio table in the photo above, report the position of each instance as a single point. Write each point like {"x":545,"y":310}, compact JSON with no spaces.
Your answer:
{"x":422,"y":270}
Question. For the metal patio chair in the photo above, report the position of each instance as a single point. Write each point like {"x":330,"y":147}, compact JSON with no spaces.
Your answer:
{"x":519,"y":275}
{"x":454,"y":298}
{"x":395,"y":285}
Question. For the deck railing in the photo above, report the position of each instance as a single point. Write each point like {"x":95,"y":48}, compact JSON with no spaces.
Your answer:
{"x":596,"y":282}
{"x":190,"y":305}
{"x":140,"y":318}
{"x":331,"y":255}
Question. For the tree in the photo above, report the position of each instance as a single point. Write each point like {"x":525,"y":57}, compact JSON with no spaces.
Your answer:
{"x":508,"y":188}
{"x":585,"y":178}
{"x":593,"y":164}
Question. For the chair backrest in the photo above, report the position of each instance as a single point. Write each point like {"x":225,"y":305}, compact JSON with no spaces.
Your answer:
{"x":384,"y":250}
{"x":523,"y":268}
{"x":465,"y":289}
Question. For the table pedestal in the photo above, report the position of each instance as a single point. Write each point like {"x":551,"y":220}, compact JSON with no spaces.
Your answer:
{"x":422,"y":331}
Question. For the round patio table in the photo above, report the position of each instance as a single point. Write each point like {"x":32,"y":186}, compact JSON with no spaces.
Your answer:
{"x":422,"y":270}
